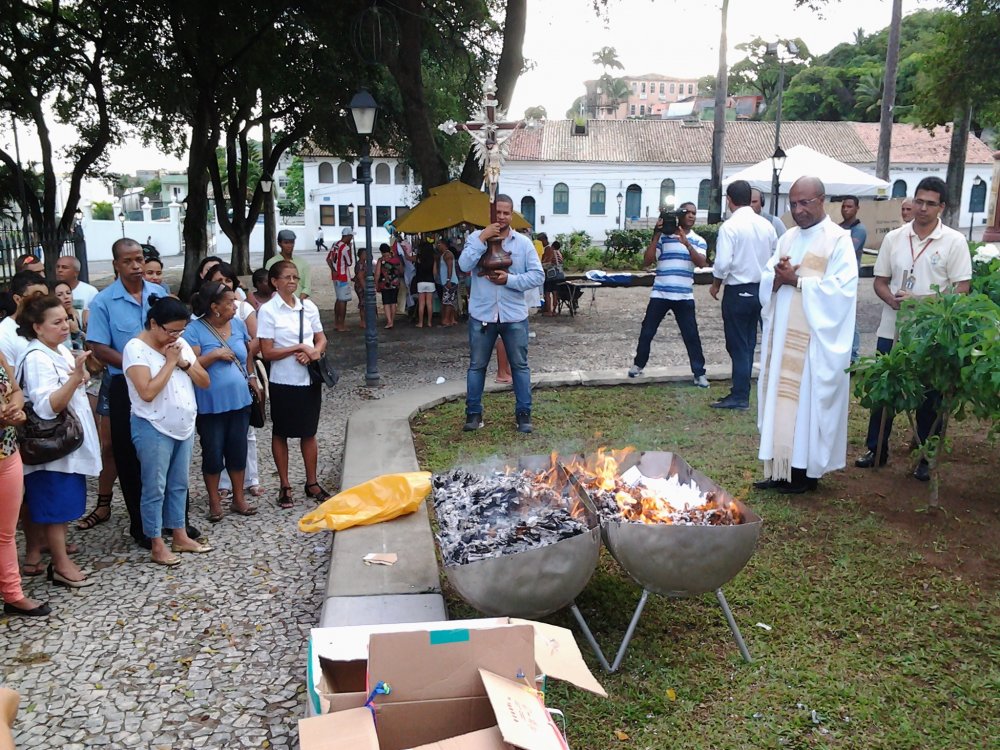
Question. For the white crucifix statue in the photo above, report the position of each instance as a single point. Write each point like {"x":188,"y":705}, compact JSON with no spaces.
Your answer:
{"x":489,"y":135}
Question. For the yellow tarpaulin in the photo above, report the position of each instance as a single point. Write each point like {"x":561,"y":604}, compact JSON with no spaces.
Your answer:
{"x":450,"y":205}
{"x":380,"y":499}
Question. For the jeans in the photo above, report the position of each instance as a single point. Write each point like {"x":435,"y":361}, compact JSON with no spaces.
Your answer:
{"x":165,"y":466}
{"x":224,"y":440}
{"x":11,"y":492}
{"x":129,"y":476}
{"x":687,"y":322}
{"x":740,"y":318}
{"x":925,"y":417}
{"x":482,"y":339}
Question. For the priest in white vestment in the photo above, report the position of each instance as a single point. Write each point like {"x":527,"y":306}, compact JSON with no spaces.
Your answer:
{"x":808,"y":296}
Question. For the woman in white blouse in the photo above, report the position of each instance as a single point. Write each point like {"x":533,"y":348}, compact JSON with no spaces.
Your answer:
{"x":291,"y":337}
{"x":54,"y":379}
{"x":161,"y":371}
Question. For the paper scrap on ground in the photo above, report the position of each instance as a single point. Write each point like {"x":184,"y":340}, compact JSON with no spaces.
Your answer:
{"x":763,"y":626}
{"x":381,"y":558}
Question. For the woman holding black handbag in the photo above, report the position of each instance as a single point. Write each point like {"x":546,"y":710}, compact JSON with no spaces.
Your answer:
{"x":54,"y":380}
{"x":291,"y":337}
{"x":221,"y":342}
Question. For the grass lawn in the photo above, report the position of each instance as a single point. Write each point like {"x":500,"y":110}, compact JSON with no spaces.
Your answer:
{"x":870,"y":647}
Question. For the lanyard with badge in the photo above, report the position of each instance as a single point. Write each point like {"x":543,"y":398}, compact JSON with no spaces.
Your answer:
{"x":909,"y":280}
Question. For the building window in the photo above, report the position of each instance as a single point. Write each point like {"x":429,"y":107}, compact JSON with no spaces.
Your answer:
{"x":328,"y":216}
{"x":642,"y":110}
{"x":528,"y":209}
{"x":661,"y":87}
{"x":345,"y":216}
{"x":667,"y":195}
{"x":631,"y":110}
{"x":344,"y":172}
{"x":325,"y":172}
{"x":383,"y":214}
{"x":671,"y":88}
{"x":560,"y":199}
{"x":401,"y":211}
{"x":643,"y":88}
{"x":633,"y":202}
{"x":704,"y":193}
{"x":597,"y":195}
{"x":635,"y":87}
{"x":382,"y":174}
{"x":362,"y":221}
{"x":690,"y":88}
{"x":402,"y":175}
{"x":899,"y":189}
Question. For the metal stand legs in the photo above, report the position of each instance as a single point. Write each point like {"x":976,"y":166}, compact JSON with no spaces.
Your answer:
{"x":620,"y":656}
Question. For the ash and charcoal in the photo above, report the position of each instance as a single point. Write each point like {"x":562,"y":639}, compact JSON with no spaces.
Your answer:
{"x":482,"y":516}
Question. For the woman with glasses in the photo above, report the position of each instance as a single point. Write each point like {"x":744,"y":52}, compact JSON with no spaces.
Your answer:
{"x":221,"y":342}
{"x":161,"y":372}
{"x":291,"y":337}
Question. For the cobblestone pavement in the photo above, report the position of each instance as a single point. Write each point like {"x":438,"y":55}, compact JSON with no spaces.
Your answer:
{"x":212,"y":653}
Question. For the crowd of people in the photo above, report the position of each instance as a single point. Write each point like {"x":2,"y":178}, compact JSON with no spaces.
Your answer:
{"x":115,"y":384}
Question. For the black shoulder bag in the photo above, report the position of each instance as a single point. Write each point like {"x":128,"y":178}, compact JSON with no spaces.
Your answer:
{"x":41,"y":441}
{"x":320,"y":370}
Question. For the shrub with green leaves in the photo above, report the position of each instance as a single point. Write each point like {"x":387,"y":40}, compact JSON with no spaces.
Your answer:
{"x":948,"y":343}
{"x":102,"y":210}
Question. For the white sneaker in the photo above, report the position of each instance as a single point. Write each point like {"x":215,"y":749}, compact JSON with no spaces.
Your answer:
{"x":634,"y":371}
{"x":701,"y":381}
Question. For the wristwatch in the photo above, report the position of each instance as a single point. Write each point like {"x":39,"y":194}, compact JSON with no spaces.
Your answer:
{"x":182,"y":366}
{"x":798,"y":283}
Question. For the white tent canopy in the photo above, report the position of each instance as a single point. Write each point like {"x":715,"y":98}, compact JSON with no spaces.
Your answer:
{"x":802,"y":161}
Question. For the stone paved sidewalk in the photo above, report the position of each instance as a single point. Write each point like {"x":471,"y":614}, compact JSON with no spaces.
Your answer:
{"x":212,"y":653}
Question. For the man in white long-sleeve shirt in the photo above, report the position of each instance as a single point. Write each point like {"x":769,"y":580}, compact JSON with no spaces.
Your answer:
{"x":808,"y":293}
{"x":497,"y":308}
{"x":744,"y":245}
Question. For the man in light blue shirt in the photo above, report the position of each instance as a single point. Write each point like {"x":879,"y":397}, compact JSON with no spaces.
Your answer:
{"x":117,"y":315}
{"x":497,"y":308}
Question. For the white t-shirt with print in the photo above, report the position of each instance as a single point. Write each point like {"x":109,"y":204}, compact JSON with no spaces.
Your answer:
{"x":173,"y":411}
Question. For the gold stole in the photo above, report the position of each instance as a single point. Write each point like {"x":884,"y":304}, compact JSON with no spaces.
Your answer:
{"x":793,"y":361}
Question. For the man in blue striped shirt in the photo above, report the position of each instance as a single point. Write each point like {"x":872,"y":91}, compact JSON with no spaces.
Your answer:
{"x":676,"y":257}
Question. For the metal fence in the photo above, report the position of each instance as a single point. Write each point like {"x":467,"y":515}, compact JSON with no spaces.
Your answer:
{"x":14,"y":243}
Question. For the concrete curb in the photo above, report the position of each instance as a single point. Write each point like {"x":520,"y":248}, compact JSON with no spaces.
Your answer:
{"x":379,"y":441}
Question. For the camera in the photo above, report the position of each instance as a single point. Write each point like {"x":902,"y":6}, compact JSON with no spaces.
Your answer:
{"x":671,"y":220}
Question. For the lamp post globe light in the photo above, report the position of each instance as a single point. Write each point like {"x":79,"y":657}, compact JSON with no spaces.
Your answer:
{"x":619,"y":198}
{"x":974,"y":206}
{"x":363,"y":109}
{"x":121,"y":220}
{"x":777,"y":164}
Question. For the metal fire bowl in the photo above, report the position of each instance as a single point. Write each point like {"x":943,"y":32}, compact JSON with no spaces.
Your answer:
{"x":536,"y":582}
{"x":681,"y":560}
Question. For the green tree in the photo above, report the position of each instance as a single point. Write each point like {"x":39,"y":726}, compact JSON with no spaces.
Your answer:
{"x":819,"y":93}
{"x":607,"y":57}
{"x":295,"y":190}
{"x":153,"y":189}
{"x":54,"y":70}
{"x":760,"y":72}
{"x":868,"y":97}
{"x":102,"y":210}
{"x":535,"y":113}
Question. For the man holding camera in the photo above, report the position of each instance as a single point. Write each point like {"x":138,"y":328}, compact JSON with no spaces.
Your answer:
{"x":743,"y":248}
{"x":677,"y":250}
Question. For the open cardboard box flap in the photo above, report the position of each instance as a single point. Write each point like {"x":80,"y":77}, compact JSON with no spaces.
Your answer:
{"x":558,"y":656}
{"x":443,"y":664}
{"x":352,"y":729}
{"x":484,"y":739}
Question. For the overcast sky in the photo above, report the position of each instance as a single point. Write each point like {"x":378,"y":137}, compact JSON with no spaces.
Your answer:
{"x":651,"y":36}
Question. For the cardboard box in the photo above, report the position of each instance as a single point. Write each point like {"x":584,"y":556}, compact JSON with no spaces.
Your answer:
{"x":450,"y":686}
{"x":338,"y":658}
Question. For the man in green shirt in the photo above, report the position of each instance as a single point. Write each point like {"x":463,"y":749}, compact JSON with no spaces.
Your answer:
{"x":286,"y":244}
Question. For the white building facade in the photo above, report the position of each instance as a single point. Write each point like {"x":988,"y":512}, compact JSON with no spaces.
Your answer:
{"x":562,"y":180}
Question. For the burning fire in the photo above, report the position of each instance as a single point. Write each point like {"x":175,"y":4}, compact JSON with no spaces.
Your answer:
{"x":639,"y":499}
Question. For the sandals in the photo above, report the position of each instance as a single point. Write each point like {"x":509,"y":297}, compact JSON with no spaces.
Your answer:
{"x":215,"y":517}
{"x":250,"y":510}
{"x":94,"y":518}
{"x":319,"y":496}
{"x":285,"y":498}
{"x":30,"y":570}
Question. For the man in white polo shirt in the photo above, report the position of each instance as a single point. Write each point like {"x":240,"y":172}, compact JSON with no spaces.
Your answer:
{"x":676,"y":256}
{"x":920,"y":259}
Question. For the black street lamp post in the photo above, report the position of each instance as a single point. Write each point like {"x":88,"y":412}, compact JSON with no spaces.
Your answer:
{"x":363,"y":110}
{"x":619,"y":210}
{"x":791,"y":48}
{"x":121,"y":219}
{"x":777,"y":164}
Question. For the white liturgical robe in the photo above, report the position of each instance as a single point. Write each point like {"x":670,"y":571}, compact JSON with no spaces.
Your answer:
{"x":828,"y":301}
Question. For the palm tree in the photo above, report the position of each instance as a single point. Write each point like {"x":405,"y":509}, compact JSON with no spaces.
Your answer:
{"x":859,"y":37}
{"x":607,"y":57}
{"x":868,"y":96}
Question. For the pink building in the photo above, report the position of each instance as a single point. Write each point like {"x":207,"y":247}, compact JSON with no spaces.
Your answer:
{"x":647,"y":95}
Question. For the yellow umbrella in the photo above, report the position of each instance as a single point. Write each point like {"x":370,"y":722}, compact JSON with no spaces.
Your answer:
{"x":450,"y":205}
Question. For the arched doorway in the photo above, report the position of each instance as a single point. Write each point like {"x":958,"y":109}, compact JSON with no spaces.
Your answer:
{"x":528,"y":210}
{"x":633,"y":202}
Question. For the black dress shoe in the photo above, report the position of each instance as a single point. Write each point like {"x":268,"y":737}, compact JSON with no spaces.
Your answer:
{"x":42,"y":610}
{"x":769,"y":484}
{"x":731,"y":403}
{"x":922,"y":472}
{"x":867,"y":461}
{"x":143,"y":541}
